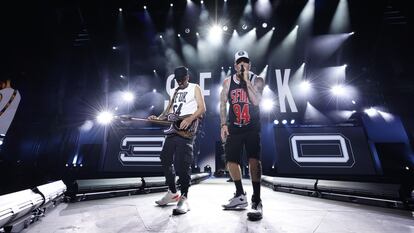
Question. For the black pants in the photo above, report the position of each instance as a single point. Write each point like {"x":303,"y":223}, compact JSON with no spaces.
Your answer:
{"x":177,"y":156}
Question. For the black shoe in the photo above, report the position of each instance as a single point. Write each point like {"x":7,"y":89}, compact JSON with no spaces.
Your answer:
{"x":230,"y":180}
{"x":256,"y":212}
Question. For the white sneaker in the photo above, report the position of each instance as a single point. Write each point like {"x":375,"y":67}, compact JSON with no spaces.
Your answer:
{"x":237,"y":202}
{"x":169,"y":197}
{"x":182,"y":206}
{"x":256,"y":212}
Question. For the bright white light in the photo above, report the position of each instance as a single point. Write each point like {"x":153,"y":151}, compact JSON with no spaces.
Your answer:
{"x":128,"y":96}
{"x":215,"y":34}
{"x":197,"y":34}
{"x":273,"y":28}
{"x":75,"y":160}
{"x":154,"y":90}
{"x":292,"y":121}
{"x":244,"y":27}
{"x":225,"y":28}
{"x":178,"y":35}
{"x":113,"y":47}
{"x":264,"y":25}
{"x":345,"y":65}
{"x":121,"y":76}
{"x":145,"y":7}
{"x":104,"y":117}
{"x":338,"y":90}
{"x":407,"y":168}
{"x":160,"y":36}
{"x":276,"y":122}
{"x":171,"y":4}
{"x":284,"y":122}
{"x":305,"y":86}
{"x":267,"y":105}
{"x":1,"y":142}
{"x":155,"y":71}
{"x":202,"y":2}
{"x":152,"y":106}
{"x":371,"y":111}
{"x":120,"y":9}
{"x":351,"y":33}
{"x":353,"y":102}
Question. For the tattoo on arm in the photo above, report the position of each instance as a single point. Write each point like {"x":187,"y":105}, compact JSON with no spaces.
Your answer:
{"x":223,"y":101}
{"x":255,"y":90}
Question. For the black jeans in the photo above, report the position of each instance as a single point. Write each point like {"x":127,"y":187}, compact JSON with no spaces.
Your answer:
{"x":177,"y":156}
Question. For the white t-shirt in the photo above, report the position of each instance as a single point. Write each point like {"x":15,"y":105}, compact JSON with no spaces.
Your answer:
{"x":184,"y":102}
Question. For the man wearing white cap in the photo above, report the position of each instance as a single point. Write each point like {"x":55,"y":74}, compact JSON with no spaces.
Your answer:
{"x":240,"y":127}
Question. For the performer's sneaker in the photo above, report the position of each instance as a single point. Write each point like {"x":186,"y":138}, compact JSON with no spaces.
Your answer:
{"x":237,"y":202}
{"x":169,"y":197}
{"x":182,"y":206}
{"x":256,"y":211}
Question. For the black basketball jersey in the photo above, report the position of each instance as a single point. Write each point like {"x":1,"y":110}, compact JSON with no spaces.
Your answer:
{"x":243,"y":115}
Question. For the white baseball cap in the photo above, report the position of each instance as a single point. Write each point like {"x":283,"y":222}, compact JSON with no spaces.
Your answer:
{"x":241,"y":54}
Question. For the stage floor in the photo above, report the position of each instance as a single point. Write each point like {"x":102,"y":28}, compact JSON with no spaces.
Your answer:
{"x":282,"y":212}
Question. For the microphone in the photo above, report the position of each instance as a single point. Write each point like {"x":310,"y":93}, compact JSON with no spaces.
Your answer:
{"x":242,"y":69}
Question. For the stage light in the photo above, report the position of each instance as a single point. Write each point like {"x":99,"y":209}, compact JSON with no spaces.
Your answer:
{"x":353,"y":111}
{"x":120,"y":9}
{"x":121,"y":76}
{"x":273,"y":28}
{"x":128,"y":96}
{"x":80,"y":165}
{"x":197,"y":34}
{"x":113,"y":47}
{"x":292,"y":121}
{"x":351,"y":33}
{"x":284,"y":121}
{"x":244,"y":27}
{"x":297,"y":26}
{"x":105,"y":117}
{"x":66,"y":165}
{"x":371,"y":111}
{"x":264,"y":25}
{"x":155,"y":71}
{"x":116,"y":108}
{"x":225,"y":28}
{"x":338,"y":90}
{"x":353,"y":102}
{"x":1,"y":142}
{"x":202,"y":2}
{"x":267,"y":104}
{"x":215,"y":34}
{"x":345,"y":65}
{"x":152,"y":107}
{"x":305,"y":86}
{"x":179,"y":35}
{"x":222,"y":68}
{"x":187,"y":30}
{"x":171,"y":5}
{"x":160,"y":36}
{"x":145,"y":7}
{"x":276,"y":122}
{"x":407,"y":168}
{"x":154,"y":90}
